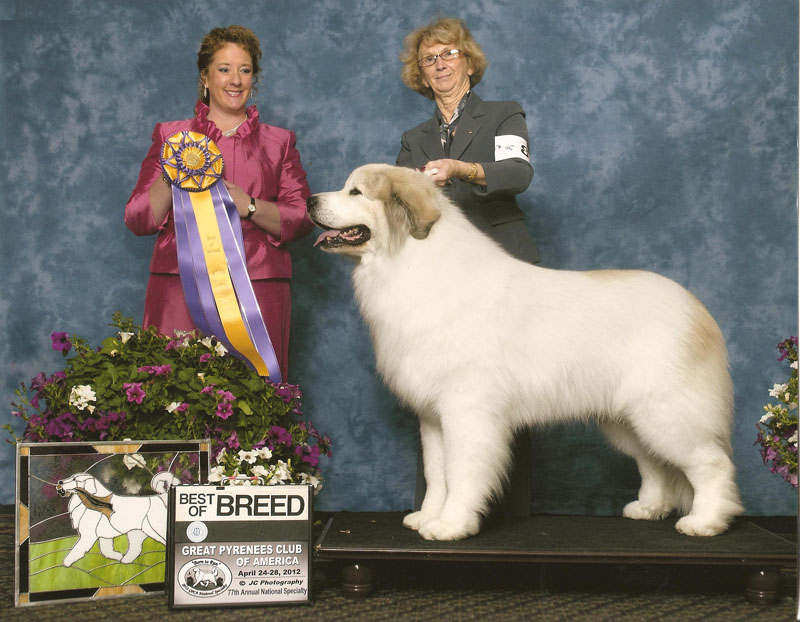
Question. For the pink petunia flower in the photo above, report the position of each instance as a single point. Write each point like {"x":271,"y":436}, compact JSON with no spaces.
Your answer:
{"x":156,"y":370}
{"x":60,"y":342}
{"x":134,"y":392}
{"x":224,"y":410}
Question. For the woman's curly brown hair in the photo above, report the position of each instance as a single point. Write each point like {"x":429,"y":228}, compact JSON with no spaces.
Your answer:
{"x":216,"y":39}
{"x":446,"y":30}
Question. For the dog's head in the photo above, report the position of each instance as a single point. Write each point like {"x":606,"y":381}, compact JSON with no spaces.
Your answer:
{"x":377,"y":209}
{"x":68,"y":486}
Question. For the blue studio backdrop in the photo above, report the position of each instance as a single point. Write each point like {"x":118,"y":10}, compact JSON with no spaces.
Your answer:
{"x":663,"y":135}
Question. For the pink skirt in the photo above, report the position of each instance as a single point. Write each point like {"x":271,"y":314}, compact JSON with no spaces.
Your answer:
{"x":165,"y":308}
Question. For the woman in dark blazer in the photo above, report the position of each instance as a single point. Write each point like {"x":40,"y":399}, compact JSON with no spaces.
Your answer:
{"x":476,"y":150}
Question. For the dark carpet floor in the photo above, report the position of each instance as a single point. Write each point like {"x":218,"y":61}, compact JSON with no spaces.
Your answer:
{"x":460,"y":592}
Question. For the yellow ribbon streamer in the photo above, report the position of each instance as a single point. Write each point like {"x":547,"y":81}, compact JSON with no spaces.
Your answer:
{"x":220,"y":279}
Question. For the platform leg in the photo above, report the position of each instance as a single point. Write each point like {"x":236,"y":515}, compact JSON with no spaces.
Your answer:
{"x":357,"y":580}
{"x":763,"y":587}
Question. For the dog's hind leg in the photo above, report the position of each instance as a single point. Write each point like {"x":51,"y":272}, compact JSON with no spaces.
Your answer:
{"x":663,"y":489}
{"x":716,"y":496}
{"x":684,"y":433}
{"x":135,"y":539}
{"x":433,"y":465}
{"x":108,"y":550}
{"x":476,"y":455}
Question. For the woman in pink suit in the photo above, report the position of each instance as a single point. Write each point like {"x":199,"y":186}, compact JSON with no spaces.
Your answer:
{"x":262,"y":172}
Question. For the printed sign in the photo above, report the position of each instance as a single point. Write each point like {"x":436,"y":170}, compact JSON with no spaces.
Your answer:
{"x":239,"y":545}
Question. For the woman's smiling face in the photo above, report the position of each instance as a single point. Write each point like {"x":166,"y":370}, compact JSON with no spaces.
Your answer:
{"x":445,"y":77}
{"x":229,"y":79}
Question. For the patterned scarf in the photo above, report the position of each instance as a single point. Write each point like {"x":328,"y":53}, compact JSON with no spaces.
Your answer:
{"x":448,"y":130}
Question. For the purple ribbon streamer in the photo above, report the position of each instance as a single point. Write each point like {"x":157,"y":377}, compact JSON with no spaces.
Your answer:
{"x":194,"y":275}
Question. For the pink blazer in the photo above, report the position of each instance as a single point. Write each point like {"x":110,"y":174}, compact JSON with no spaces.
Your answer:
{"x":259,"y":158}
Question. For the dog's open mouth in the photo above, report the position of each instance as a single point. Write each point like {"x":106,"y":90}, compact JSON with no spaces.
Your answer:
{"x":352,"y":236}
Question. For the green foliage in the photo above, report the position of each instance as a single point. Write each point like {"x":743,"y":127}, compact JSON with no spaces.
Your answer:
{"x":142,"y":385}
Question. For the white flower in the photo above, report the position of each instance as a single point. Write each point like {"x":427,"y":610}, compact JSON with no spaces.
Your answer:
{"x":793,"y":365}
{"x":124,"y":336}
{"x":81,"y":395}
{"x":133,"y":460}
{"x":247,"y":456}
{"x":218,"y":347}
{"x":264,"y":453}
{"x":202,"y":377}
{"x":776,"y":390}
{"x":793,"y":439}
{"x":281,"y":471}
{"x":766,"y":418}
{"x":260,"y":471}
{"x":221,"y":456}
{"x":215,"y":473}
{"x":172,"y":407}
{"x":305,"y":478}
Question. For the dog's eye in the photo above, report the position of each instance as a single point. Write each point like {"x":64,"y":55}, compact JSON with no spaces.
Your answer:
{"x":355,"y":191}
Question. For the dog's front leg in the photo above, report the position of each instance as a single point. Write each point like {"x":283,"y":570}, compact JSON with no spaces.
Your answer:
{"x":433,"y":464}
{"x":476,"y":455}
{"x":88,"y":536}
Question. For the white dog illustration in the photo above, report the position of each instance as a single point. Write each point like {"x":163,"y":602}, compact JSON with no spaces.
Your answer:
{"x":203,"y":577}
{"x":100,"y":515}
{"x":480,"y":344}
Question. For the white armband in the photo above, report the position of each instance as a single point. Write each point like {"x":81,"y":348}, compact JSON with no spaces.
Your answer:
{"x":510,"y":146}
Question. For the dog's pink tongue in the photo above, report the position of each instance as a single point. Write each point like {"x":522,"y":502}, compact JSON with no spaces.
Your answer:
{"x":326,"y":234}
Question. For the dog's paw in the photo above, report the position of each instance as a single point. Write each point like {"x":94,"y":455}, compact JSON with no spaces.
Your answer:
{"x":415,"y":520}
{"x":698,"y":526}
{"x":640,"y":511}
{"x":438,"y":529}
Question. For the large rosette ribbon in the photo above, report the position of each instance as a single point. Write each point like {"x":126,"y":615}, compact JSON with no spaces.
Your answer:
{"x":211,"y":257}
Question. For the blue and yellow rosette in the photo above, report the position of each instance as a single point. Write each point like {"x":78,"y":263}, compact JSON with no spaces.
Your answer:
{"x":211,"y":257}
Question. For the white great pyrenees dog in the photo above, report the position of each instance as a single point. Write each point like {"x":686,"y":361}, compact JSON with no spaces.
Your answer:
{"x":480,"y":344}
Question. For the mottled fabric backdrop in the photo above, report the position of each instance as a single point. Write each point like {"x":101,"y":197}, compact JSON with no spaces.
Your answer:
{"x":663,"y":135}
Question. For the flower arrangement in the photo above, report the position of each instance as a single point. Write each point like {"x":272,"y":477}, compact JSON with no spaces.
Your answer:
{"x":777,"y":430}
{"x":145,"y":386}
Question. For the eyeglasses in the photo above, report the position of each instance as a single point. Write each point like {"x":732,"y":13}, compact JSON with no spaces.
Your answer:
{"x":447,"y":55}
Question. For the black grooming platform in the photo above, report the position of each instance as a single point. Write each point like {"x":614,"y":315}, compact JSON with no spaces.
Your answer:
{"x":360,"y":540}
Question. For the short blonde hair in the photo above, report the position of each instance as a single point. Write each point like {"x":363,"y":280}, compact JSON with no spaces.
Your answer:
{"x":446,"y":30}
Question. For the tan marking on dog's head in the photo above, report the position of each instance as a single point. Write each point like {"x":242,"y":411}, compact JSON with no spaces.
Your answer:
{"x":378,"y":208}
{"x":409,"y":198}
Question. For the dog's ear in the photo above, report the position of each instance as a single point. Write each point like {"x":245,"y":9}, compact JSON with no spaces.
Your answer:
{"x":417,"y":196}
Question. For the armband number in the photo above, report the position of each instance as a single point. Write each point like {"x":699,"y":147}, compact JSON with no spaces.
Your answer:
{"x":510,"y":146}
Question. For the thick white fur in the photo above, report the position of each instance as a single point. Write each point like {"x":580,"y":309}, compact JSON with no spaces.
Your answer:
{"x":138,"y":517}
{"x":480,"y":344}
